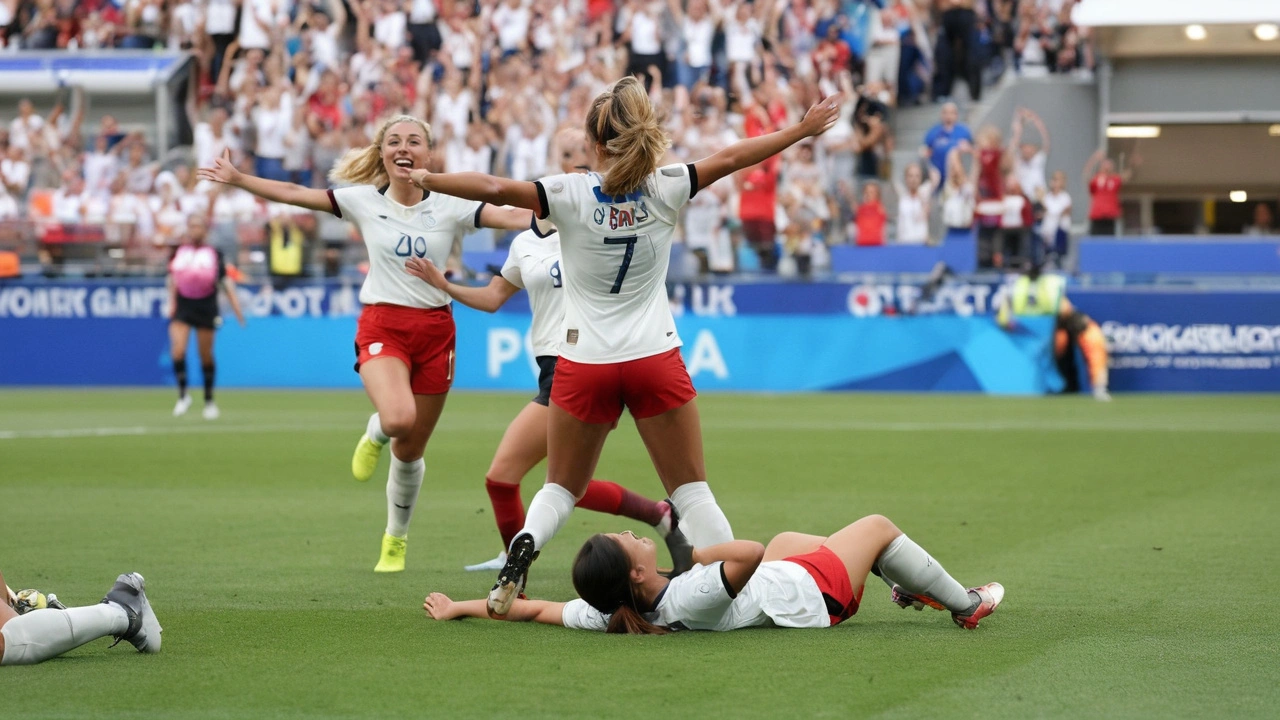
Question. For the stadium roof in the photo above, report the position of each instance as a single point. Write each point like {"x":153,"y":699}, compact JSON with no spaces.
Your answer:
{"x":1133,"y":13}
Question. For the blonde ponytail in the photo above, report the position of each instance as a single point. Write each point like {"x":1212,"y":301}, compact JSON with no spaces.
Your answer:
{"x":624,"y":121}
{"x":363,"y":166}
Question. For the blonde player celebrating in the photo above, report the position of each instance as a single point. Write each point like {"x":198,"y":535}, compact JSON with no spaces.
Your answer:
{"x":620,"y":347}
{"x":798,"y":581}
{"x":36,"y":635}
{"x":405,"y":336}
{"x":533,"y":264}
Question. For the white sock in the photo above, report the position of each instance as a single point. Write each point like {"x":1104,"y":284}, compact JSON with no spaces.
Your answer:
{"x":701,"y":519}
{"x":374,"y":430}
{"x":908,"y":565}
{"x":548,"y":512}
{"x":403,"y":483}
{"x":43,"y":634}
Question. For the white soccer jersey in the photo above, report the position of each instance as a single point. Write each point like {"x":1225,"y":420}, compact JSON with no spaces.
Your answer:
{"x":615,"y":252}
{"x":394,"y":233}
{"x":780,"y":593}
{"x":533,"y":263}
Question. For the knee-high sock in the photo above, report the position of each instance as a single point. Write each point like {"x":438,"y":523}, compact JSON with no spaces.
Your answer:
{"x":374,"y":430}
{"x":508,"y":509}
{"x":548,"y":512}
{"x":403,"y":483}
{"x":908,"y":565}
{"x":208,"y":370}
{"x":610,"y":497}
{"x":180,"y":372}
{"x":701,"y":519}
{"x":43,"y":634}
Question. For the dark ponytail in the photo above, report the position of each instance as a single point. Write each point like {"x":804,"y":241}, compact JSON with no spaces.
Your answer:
{"x":602,"y":577}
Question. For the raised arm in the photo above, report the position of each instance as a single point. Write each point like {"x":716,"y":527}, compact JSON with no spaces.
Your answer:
{"x":1035,"y":120}
{"x":745,"y":153}
{"x":486,"y":299}
{"x":440,"y":607}
{"x":1092,"y":163}
{"x":229,"y":286}
{"x":224,"y":171}
{"x":481,"y":187}
{"x":740,"y":558}
{"x":505,"y":218}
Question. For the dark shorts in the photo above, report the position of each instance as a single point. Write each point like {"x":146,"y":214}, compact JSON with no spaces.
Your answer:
{"x":199,"y":313}
{"x":423,"y":339}
{"x":646,"y":386}
{"x":828,"y":570}
{"x":546,"y":373}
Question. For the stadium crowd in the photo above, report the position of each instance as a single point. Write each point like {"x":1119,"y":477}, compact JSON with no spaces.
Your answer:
{"x":286,"y":87}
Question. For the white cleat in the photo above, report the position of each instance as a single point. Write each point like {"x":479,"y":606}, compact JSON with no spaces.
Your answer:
{"x":130,"y":593}
{"x":989,"y":598}
{"x":211,"y":411}
{"x":495,"y":564}
{"x":1101,"y":395}
{"x":182,"y":406}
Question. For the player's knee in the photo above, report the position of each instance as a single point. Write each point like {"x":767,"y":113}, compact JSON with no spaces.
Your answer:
{"x":882,"y":524}
{"x":397,"y":422}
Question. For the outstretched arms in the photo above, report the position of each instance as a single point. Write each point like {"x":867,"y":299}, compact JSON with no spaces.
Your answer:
{"x":224,"y":171}
{"x":481,"y":187}
{"x":753,"y":151}
{"x":440,"y":607}
{"x":486,"y":299}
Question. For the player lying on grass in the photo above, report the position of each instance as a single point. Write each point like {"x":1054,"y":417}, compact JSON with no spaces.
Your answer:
{"x":798,"y":581}
{"x":32,"y":629}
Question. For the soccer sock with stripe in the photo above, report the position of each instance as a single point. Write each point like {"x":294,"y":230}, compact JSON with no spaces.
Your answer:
{"x":909,"y":566}
{"x":208,"y":372}
{"x":548,"y":512}
{"x":403,"y":483}
{"x":610,"y":497}
{"x":180,"y":372}
{"x":43,"y":634}
{"x":508,"y":509}
{"x":701,"y":519}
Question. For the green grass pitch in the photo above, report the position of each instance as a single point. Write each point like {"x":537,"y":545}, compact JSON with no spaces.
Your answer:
{"x":1138,"y":542}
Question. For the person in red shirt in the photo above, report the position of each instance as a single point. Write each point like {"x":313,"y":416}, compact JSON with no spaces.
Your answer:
{"x":991,"y":163}
{"x":757,"y":203}
{"x":1104,"y":191}
{"x":871,"y":217}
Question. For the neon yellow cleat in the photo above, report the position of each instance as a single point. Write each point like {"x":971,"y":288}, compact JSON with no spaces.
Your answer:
{"x":393,"y":549}
{"x":365,"y":460}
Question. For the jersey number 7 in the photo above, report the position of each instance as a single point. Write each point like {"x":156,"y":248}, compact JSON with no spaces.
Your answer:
{"x":630,"y":242}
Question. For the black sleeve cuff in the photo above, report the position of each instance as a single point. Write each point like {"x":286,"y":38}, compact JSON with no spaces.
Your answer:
{"x":727,"y":587}
{"x":476,"y":220}
{"x":333,"y":204}
{"x":544,"y":209}
{"x":693,"y":180}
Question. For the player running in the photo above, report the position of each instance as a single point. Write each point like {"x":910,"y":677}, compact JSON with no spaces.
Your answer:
{"x":29,"y":635}
{"x":196,"y":273}
{"x":798,"y":581}
{"x":533,"y":264}
{"x":405,"y":336}
{"x":620,"y":347}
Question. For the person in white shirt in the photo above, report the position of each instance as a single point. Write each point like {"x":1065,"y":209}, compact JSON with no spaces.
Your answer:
{"x":742,"y":32}
{"x":473,"y":155}
{"x":697,"y":31}
{"x":24,"y":126}
{"x":272,"y":118}
{"x":914,"y":196}
{"x":1029,"y":159}
{"x":1014,"y":247}
{"x":620,"y":346}
{"x":258,"y":20}
{"x":797,"y":581}
{"x":1055,"y":227}
{"x":534,"y":264}
{"x":405,"y":336}
{"x":390,"y":26}
{"x":510,"y":23}
{"x":15,"y":173}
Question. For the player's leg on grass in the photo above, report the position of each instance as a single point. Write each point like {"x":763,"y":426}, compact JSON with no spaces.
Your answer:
{"x":404,"y":480}
{"x":204,"y":344}
{"x":523,"y":446}
{"x":674,"y":442}
{"x":386,"y":382}
{"x":179,"y":338}
{"x":124,"y":613}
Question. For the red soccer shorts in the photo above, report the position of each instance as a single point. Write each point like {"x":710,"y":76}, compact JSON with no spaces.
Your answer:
{"x":828,"y":570}
{"x":421,"y":338}
{"x":647,"y":387}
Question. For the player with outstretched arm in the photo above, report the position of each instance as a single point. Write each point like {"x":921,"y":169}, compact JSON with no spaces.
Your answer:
{"x":405,"y":337}
{"x":620,"y":347}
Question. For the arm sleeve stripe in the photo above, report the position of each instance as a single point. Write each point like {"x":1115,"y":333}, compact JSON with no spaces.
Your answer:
{"x":533,"y":225}
{"x":479,"y":210}
{"x":333,"y":204}
{"x":693,"y":180}
{"x":544,"y":209}
{"x":727,"y":587}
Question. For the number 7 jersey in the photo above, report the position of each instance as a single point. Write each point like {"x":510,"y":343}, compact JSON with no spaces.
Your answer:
{"x":615,"y":252}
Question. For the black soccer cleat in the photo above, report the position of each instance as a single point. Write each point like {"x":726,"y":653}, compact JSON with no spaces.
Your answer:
{"x":678,"y":545}
{"x":514,"y":575}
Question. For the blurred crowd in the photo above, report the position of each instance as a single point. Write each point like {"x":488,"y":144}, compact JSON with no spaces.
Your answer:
{"x":287,"y":86}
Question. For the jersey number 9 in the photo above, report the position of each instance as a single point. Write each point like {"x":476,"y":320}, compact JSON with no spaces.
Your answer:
{"x":407,"y":246}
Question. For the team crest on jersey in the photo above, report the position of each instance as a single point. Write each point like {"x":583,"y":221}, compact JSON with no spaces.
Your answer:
{"x":428,"y":219}
{"x":557,"y":187}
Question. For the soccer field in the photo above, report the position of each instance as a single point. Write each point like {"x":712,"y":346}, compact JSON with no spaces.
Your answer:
{"x":1138,"y":543}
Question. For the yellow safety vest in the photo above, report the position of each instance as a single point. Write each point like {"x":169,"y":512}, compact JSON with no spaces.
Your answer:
{"x":286,"y":249}
{"x":1041,"y":297}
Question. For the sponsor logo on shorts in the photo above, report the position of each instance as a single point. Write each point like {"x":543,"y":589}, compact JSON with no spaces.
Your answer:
{"x":375,"y":348}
